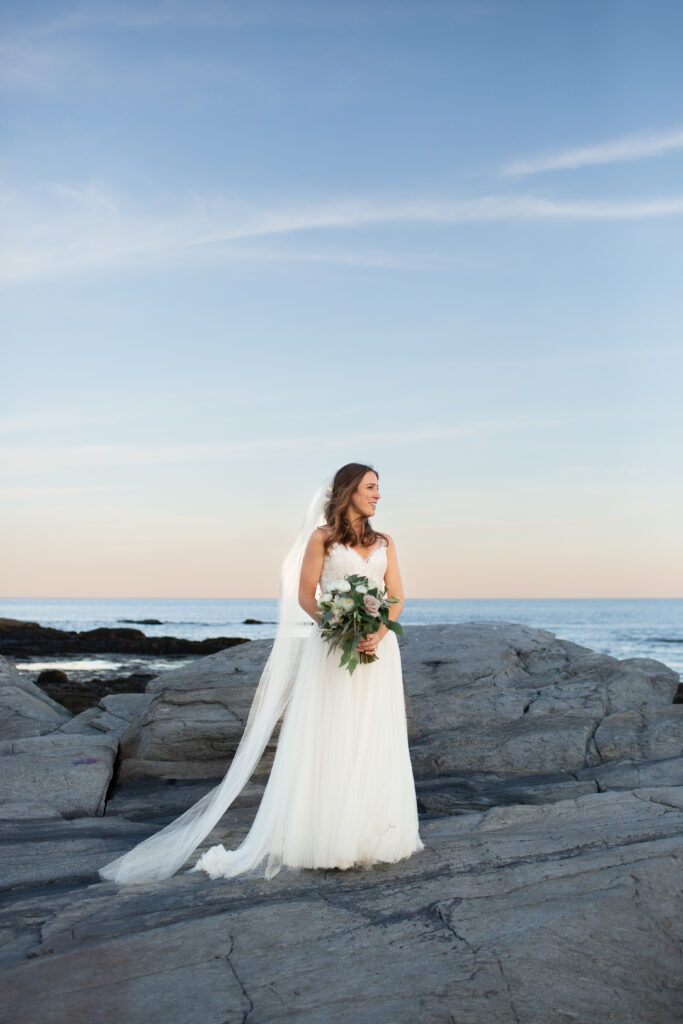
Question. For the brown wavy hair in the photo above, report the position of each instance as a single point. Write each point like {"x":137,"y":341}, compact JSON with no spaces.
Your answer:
{"x":340,"y":531}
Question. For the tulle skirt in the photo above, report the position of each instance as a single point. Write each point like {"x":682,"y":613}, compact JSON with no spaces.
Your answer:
{"x":341,"y":791}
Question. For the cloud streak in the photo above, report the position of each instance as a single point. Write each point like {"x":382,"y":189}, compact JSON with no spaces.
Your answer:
{"x":62,"y":229}
{"x":621,"y":149}
{"x":29,"y":459}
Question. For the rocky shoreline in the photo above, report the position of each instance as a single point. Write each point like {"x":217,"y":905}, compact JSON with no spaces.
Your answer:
{"x":550,"y":788}
{"x":19,"y":639}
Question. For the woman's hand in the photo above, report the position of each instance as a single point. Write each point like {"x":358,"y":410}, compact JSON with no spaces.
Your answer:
{"x":371,"y":642}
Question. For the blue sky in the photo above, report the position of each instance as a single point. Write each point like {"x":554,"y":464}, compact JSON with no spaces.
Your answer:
{"x":246,"y":243}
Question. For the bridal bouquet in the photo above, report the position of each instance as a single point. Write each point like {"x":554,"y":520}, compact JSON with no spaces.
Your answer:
{"x":351,"y":609}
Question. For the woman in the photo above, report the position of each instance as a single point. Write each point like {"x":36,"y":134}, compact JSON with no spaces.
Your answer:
{"x":340,"y":791}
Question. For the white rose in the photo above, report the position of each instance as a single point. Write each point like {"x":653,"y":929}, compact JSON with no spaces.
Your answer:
{"x":326,"y":597}
{"x":361,"y":589}
{"x":341,"y":586}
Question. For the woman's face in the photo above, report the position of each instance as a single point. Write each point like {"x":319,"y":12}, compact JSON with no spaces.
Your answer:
{"x":364,"y":499}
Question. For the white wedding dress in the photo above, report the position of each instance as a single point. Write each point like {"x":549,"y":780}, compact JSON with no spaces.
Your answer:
{"x":341,"y":790}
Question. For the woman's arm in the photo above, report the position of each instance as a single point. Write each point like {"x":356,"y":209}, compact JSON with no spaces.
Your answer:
{"x":394,"y":588}
{"x":311,"y":571}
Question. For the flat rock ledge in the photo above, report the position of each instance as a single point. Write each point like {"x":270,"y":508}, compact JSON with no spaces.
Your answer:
{"x":569,"y":911}
{"x":550,"y":787}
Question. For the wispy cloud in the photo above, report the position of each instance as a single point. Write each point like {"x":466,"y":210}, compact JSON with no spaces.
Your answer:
{"x":601,"y":470}
{"x":231,"y":14}
{"x":64,"y":229}
{"x":52,"y":490}
{"x":625,"y":147}
{"x":29,"y":459}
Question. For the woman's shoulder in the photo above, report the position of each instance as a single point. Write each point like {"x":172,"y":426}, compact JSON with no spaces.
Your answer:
{"x":319,"y":536}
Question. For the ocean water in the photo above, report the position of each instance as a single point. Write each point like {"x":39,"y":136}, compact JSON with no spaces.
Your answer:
{"x":624,"y":628}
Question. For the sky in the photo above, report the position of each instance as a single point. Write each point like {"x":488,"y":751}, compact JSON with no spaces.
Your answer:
{"x":246,"y":243}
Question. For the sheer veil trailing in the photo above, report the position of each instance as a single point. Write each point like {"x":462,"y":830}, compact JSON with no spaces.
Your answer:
{"x":164,"y":853}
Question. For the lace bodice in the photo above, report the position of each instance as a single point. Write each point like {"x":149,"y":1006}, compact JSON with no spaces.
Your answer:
{"x":341,"y":561}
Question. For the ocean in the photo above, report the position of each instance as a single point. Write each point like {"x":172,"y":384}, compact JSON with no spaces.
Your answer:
{"x":624,"y":627}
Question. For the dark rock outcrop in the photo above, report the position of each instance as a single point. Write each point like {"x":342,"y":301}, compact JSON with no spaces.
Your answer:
{"x":79,"y":694}
{"x":19,"y":639}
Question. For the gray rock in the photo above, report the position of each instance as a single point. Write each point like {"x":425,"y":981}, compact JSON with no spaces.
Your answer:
{"x":150,"y":798}
{"x":12,"y":809}
{"x":25,"y":710}
{"x":653,"y":732}
{"x":69,"y":773}
{"x":569,"y":911}
{"x":634,"y":774}
{"x":237,"y":668}
{"x":492,"y":697}
{"x":35,"y":852}
{"x":112,"y":715}
{"x":82,"y":724}
{"x":470,"y":790}
{"x":127,"y":705}
{"x":132,"y":769}
{"x":531,"y":743}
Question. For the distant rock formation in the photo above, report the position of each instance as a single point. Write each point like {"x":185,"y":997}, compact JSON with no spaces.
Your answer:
{"x":143,"y":622}
{"x":19,"y":639}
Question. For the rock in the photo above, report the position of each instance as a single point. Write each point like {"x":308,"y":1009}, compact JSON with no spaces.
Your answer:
{"x":39,"y":852}
{"x":653,"y":732}
{"x":481,"y":697}
{"x":12,"y":809}
{"x":521,"y":913}
{"x":143,"y":622}
{"x":127,"y":705}
{"x":151,"y":799}
{"x":194,"y":724}
{"x":190,"y":734}
{"x":113,"y":715}
{"x":51,"y":677}
{"x":69,"y":773}
{"x":470,"y":790}
{"x":82,"y":725}
{"x":19,"y":639}
{"x":532,"y":743}
{"x":550,"y":842}
{"x":237,"y":671}
{"x":79,"y":694}
{"x":634,"y":774}
{"x":24,"y":709}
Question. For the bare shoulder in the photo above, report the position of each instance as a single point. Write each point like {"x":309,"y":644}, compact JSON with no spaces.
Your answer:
{"x":317,"y":538}
{"x":390,"y":546}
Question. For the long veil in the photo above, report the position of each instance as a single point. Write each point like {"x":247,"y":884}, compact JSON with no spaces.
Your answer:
{"x":162,"y":854}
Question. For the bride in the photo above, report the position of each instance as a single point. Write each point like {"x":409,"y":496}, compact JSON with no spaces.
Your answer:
{"x":341,"y":790}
